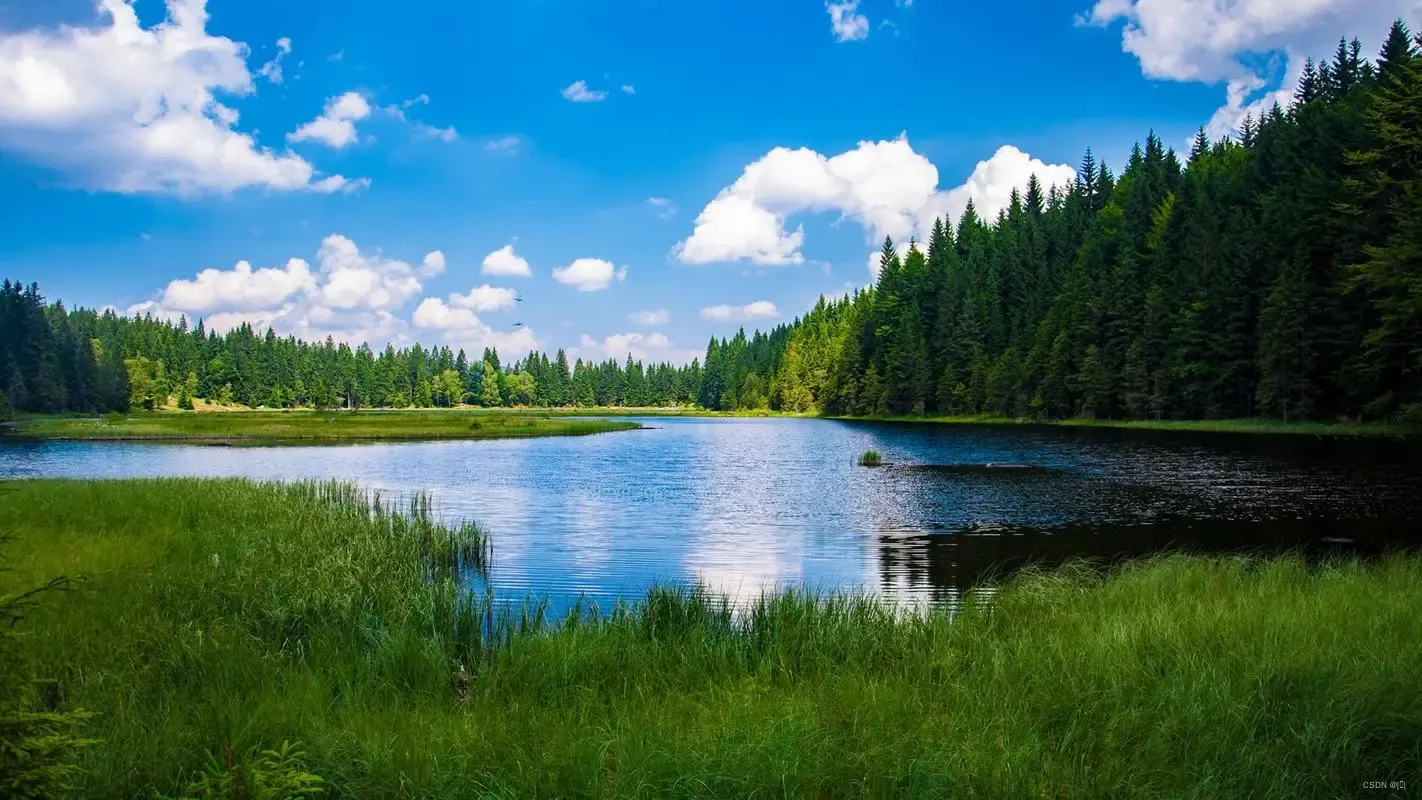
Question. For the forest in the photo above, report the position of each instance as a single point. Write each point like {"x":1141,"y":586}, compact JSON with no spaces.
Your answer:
{"x":1274,"y":274}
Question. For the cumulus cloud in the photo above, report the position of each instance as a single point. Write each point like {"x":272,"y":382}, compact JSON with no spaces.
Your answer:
{"x":485,"y":298}
{"x":433,"y":313}
{"x":336,"y":125}
{"x":272,"y":69}
{"x":660,"y":316}
{"x":589,"y":274}
{"x":505,"y":262}
{"x":1219,"y":41}
{"x":432,"y":264}
{"x":760,"y":309}
{"x":646,"y":347}
{"x":119,"y":107}
{"x":628,"y":88}
{"x":461,"y":327}
{"x":578,"y":92}
{"x":351,"y":279}
{"x":239,"y":289}
{"x":846,"y":23}
{"x":351,"y":296}
{"x":886,"y":186}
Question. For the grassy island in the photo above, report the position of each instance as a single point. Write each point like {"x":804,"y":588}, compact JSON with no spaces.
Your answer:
{"x":310,"y":426}
{"x":211,"y":620}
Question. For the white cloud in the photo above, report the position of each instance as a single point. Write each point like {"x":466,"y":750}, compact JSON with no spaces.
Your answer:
{"x":433,"y":264}
{"x":666,"y":206}
{"x":589,"y":274}
{"x":886,"y":186}
{"x":354,"y":280}
{"x":628,"y":88}
{"x":443,"y":134}
{"x":352,"y":297}
{"x":485,"y":298}
{"x":579,"y":92}
{"x":433,"y":313}
{"x":120,"y":107}
{"x":651,"y":347}
{"x":760,"y":309}
{"x":239,"y":289}
{"x":336,"y":125}
{"x":1219,"y":41}
{"x":461,"y":327}
{"x":503,"y":144}
{"x":991,"y":184}
{"x":397,"y":111}
{"x":846,"y":22}
{"x":272,"y":69}
{"x":660,"y":316}
{"x":504,"y":262}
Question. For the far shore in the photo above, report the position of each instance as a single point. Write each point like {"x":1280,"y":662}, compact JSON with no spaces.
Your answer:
{"x":307,"y":426}
{"x":215,"y":424}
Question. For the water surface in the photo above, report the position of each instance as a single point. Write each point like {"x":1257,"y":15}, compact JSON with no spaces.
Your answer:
{"x":746,"y":505}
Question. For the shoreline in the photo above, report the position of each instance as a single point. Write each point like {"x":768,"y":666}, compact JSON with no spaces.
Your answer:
{"x":437,"y":424}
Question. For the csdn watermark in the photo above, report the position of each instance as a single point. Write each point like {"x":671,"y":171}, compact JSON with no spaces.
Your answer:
{"x":1395,"y":786}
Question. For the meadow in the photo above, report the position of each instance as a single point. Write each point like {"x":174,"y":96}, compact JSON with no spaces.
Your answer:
{"x":309,"y":426}
{"x":210,"y":620}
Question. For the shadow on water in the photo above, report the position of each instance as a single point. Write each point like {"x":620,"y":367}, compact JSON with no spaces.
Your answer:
{"x":944,"y":564}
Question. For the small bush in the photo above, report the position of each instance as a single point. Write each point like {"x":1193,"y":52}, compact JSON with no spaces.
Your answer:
{"x":871,"y":458}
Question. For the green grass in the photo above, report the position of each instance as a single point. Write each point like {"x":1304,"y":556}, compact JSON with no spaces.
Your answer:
{"x":871,"y":458}
{"x":310,"y":426}
{"x":219,"y":614}
{"x":1256,"y":426}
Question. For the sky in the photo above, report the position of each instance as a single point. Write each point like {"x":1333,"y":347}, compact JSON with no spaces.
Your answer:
{"x":603,"y":176}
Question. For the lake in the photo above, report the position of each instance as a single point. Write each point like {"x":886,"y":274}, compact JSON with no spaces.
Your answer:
{"x":745,"y":505}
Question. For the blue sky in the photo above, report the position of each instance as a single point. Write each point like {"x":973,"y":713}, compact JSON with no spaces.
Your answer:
{"x":141,"y":152}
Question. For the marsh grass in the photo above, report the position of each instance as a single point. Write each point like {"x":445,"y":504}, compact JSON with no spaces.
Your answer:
{"x":871,"y":458}
{"x":222,"y":615}
{"x":310,"y":426}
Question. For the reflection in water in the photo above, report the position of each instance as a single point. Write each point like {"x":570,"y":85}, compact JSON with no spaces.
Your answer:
{"x":747,"y":505}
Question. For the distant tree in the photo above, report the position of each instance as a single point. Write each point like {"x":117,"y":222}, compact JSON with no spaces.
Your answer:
{"x":490,"y":396}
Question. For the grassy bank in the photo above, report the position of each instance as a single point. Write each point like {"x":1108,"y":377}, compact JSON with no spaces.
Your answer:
{"x":1254,"y":426}
{"x":224,"y":617}
{"x":308,"y":426}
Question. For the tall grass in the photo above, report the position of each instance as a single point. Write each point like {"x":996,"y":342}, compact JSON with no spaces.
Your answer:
{"x":226,"y":614}
{"x":309,"y":426}
{"x":871,"y":458}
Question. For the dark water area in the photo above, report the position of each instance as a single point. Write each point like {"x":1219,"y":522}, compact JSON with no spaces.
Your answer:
{"x":747,"y":505}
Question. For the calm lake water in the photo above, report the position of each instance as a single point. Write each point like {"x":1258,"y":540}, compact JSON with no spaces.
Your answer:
{"x":745,"y":505}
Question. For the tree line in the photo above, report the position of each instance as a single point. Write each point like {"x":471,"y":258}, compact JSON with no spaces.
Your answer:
{"x":1274,"y":274}
{"x":1278,"y":275}
{"x":53,"y":360}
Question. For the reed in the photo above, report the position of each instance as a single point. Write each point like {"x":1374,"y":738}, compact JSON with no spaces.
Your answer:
{"x":871,"y":458}
{"x":223,"y":616}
